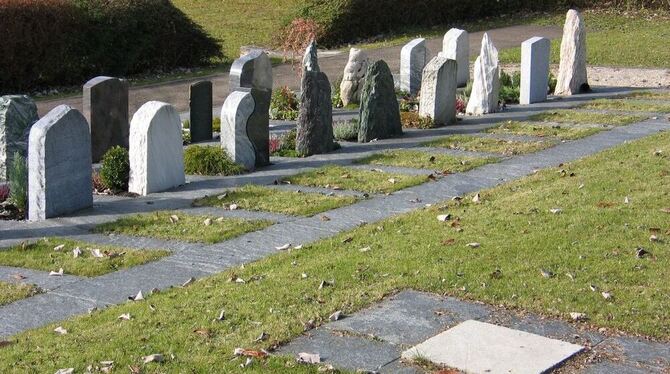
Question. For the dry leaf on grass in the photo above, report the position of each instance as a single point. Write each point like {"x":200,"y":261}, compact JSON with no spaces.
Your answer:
{"x":125,"y":317}
{"x":60,"y":330}
{"x":335,"y":316}
{"x":58,"y":273}
{"x":59,"y":247}
{"x":250,"y":353}
{"x":308,"y":358}
{"x":157,"y":357}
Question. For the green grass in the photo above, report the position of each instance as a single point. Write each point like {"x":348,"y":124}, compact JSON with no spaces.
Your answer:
{"x":11,"y":292}
{"x":481,"y":144}
{"x":577,"y":117}
{"x":613,"y":39}
{"x":563,"y":132}
{"x":627,"y":105}
{"x":593,"y":239}
{"x":356,"y":179}
{"x":277,"y":201}
{"x":426,"y":160}
{"x":186,"y":227}
{"x":42,"y":256}
{"x":650,"y":95}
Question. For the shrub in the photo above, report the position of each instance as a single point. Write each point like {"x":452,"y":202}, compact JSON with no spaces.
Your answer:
{"x":346,"y":130}
{"x":336,"y":97}
{"x":204,"y":160}
{"x":216,"y":124}
{"x":284,"y":104}
{"x":62,"y":42}
{"x":115,"y":170}
{"x":414,"y":121}
{"x":98,"y":184}
{"x":283,"y":145}
{"x":294,"y":38}
{"x":510,"y":87}
{"x":18,"y":182}
{"x":552,"y":84}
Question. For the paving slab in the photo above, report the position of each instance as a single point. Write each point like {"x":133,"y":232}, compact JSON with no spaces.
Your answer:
{"x":477,"y":347}
{"x":41,"y":279}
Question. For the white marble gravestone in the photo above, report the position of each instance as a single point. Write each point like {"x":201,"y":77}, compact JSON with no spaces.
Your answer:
{"x":438,"y":91}
{"x":534,"y":70}
{"x":572,"y":77}
{"x":59,"y":164}
{"x":486,"y":82}
{"x":456,"y":46}
{"x":413,"y":58}
{"x":235,"y":113}
{"x":156,"y":150}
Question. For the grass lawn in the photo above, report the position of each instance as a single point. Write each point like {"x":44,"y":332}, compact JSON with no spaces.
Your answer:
{"x":42,"y":255}
{"x":577,"y":116}
{"x":594,"y":240}
{"x":613,"y":39}
{"x":650,"y":95}
{"x":426,"y":160}
{"x":338,"y":177}
{"x":627,"y":105}
{"x":266,"y":199}
{"x":11,"y":292}
{"x":563,"y":132}
{"x":186,"y":227}
{"x":480,"y":144}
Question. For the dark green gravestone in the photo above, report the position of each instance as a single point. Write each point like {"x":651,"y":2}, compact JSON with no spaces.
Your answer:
{"x":201,"y":111}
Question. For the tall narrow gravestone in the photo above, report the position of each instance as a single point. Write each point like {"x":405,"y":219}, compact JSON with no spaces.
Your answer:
{"x":17,"y":115}
{"x":456,"y":46}
{"x":379,"y":115}
{"x":534,"y":70}
{"x":413,"y":58}
{"x":235,"y":114}
{"x":486,"y":82}
{"x":105,"y":104}
{"x":201,"y":111}
{"x":352,"y":79}
{"x":572,"y":77}
{"x":254,"y":71}
{"x":156,"y":151}
{"x":438,"y":91}
{"x":59,"y":165}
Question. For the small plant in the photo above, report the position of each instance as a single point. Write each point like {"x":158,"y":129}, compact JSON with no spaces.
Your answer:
{"x":414,"y":121}
{"x":216,"y":124}
{"x":510,"y":87}
{"x":204,"y":160}
{"x":284,"y":104}
{"x":552,"y":84}
{"x":186,"y":124}
{"x":115,"y":170}
{"x":186,"y":137}
{"x":284,"y":145}
{"x":346,"y":130}
{"x":460,"y":104}
{"x":18,"y":183}
{"x":467,"y":91}
{"x":98,"y":185}
{"x":336,"y":96}
{"x":4,"y":192}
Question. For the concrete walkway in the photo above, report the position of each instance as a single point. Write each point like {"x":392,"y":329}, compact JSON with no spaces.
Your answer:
{"x":176,"y":93}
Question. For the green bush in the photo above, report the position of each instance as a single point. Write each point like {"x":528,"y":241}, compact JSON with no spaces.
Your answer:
{"x":115,"y":169}
{"x":284,"y":104}
{"x":204,"y":160}
{"x":346,"y":130}
{"x":510,"y":87}
{"x":216,"y":124}
{"x":63,"y":42}
{"x":552,"y":84}
{"x":18,"y":182}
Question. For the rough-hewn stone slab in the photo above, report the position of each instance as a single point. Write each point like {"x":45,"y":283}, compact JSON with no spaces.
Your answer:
{"x":572,"y":78}
{"x":353,"y":77}
{"x":17,"y":115}
{"x":486,"y":82}
{"x":380,"y":113}
{"x":438,"y":91}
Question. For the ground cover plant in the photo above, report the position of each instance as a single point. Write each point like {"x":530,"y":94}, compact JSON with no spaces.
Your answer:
{"x":284,"y":104}
{"x":11,"y":292}
{"x":627,"y":105}
{"x":531,"y":257}
{"x":560,"y":131}
{"x":426,"y":160}
{"x":275,"y":200}
{"x":492,"y":145}
{"x":53,"y":254}
{"x":170,"y":225}
{"x":347,"y":178}
{"x":283,"y":145}
{"x":346,"y":130}
{"x":206,"y":160}
{"x":650,"y":95}
{"x":585,"y":117}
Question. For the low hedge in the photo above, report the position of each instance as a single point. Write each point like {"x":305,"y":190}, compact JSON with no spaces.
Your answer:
{"x":344,"y":21}
{"x":66,"y":42}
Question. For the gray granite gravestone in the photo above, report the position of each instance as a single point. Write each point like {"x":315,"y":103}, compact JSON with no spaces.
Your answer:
{"x":413,"y":58}
{"x":456,"y":46}
{"x":201,"y":111}
{"x":105,"y":105}
{"x":235,"y":114}
{"x":254,"y":71}
{"x":59,"y":164}
{"x":379,"y":116}
{"x":438,"y":91}
{"x":534,"y":70}
{"x":18,"y":113}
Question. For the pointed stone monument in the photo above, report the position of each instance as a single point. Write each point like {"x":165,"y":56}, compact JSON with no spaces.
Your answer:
{"x":354,"y":75}
{"x":18,"y":113}
{"x":486,"y":82}
{"x":572,"y":77}
{"x":379,"y":116}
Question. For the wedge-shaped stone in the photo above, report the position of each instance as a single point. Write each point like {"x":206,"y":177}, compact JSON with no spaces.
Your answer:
{"x":486,"y":83}
{"x":380,"y":112}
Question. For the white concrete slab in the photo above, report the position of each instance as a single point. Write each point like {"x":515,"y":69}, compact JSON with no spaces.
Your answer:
{"x":477,"y":347}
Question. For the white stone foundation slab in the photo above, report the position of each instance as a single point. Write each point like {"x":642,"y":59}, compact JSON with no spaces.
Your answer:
{"x":478,"y":347}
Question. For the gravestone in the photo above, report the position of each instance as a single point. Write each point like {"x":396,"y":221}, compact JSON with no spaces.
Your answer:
{"x":156,"y":151}
{"x":18,"y":113}
{"x":572,"y":77}
{"x":235,"y":114}
{"x":534,"y":70}
{"x":105,"y":105}
{"x":354,"y":74}
{"x":201,"y":111}
{"x":486,"y":83}
{"x":59,"y":164}
{"x":254,"y":71}
{"x":413,"y":58}
{"x":438,"y":91}
{"x":456,"y":46}
{"x":379,"y":116}
{"x":315,"y":121}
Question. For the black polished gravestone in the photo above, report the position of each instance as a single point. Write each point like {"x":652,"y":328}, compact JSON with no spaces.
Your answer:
{"x":201,"y":111}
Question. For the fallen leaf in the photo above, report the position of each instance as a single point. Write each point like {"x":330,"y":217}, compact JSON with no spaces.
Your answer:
{"x":76,"y":252}
{"x":308,"y":358}
{"x":174,"y":218}
{"x":364,"y":249}
{"x":473,"y":245}
{"x":335,"y":316}
{"x":298,"y":247}
{"x":19,"y":276}
{"x":347,"y":240}
{"x":233,"y":207}
{"x":125,"y":317}
{"x":58,"y":273}
{"x":444,"y":217}
{"x":653,"y":238}
{"x":205,"y":333}
{"x":222,"y":196}
{"x":641,"y":252}
{"x":247,"y":362}
{"x":665,"y":210}
{"x":577,"y":317}
{"x":134,"y":369}
{"x":593,"y":287}
{"x":220,"y":219}
{"x":626,"y":200}
{"x":96,"y":253}
{"x":607,"y":295}
{"x":138,"y":297}
{"x":325,"y":284}
{"x":208,"y":222}
{"x":392,"y":180}
{"x":450,"y":241}
{"x":249,"y":353}
{"x":222,"y":315}
{"x":556,"y":210}
{"x":59,"y":247}
{"x":65,"y":371}
{"x":546,"y":273}
{"x":157,"y":357}
{"x":476,"y":199}
{"x":325,"y":218}
{"x":262,"y":337}
{"x":345,"y":176}
{"x":188,"y":282}
{"x":283,"y":247}
{"x":60,"y":330}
